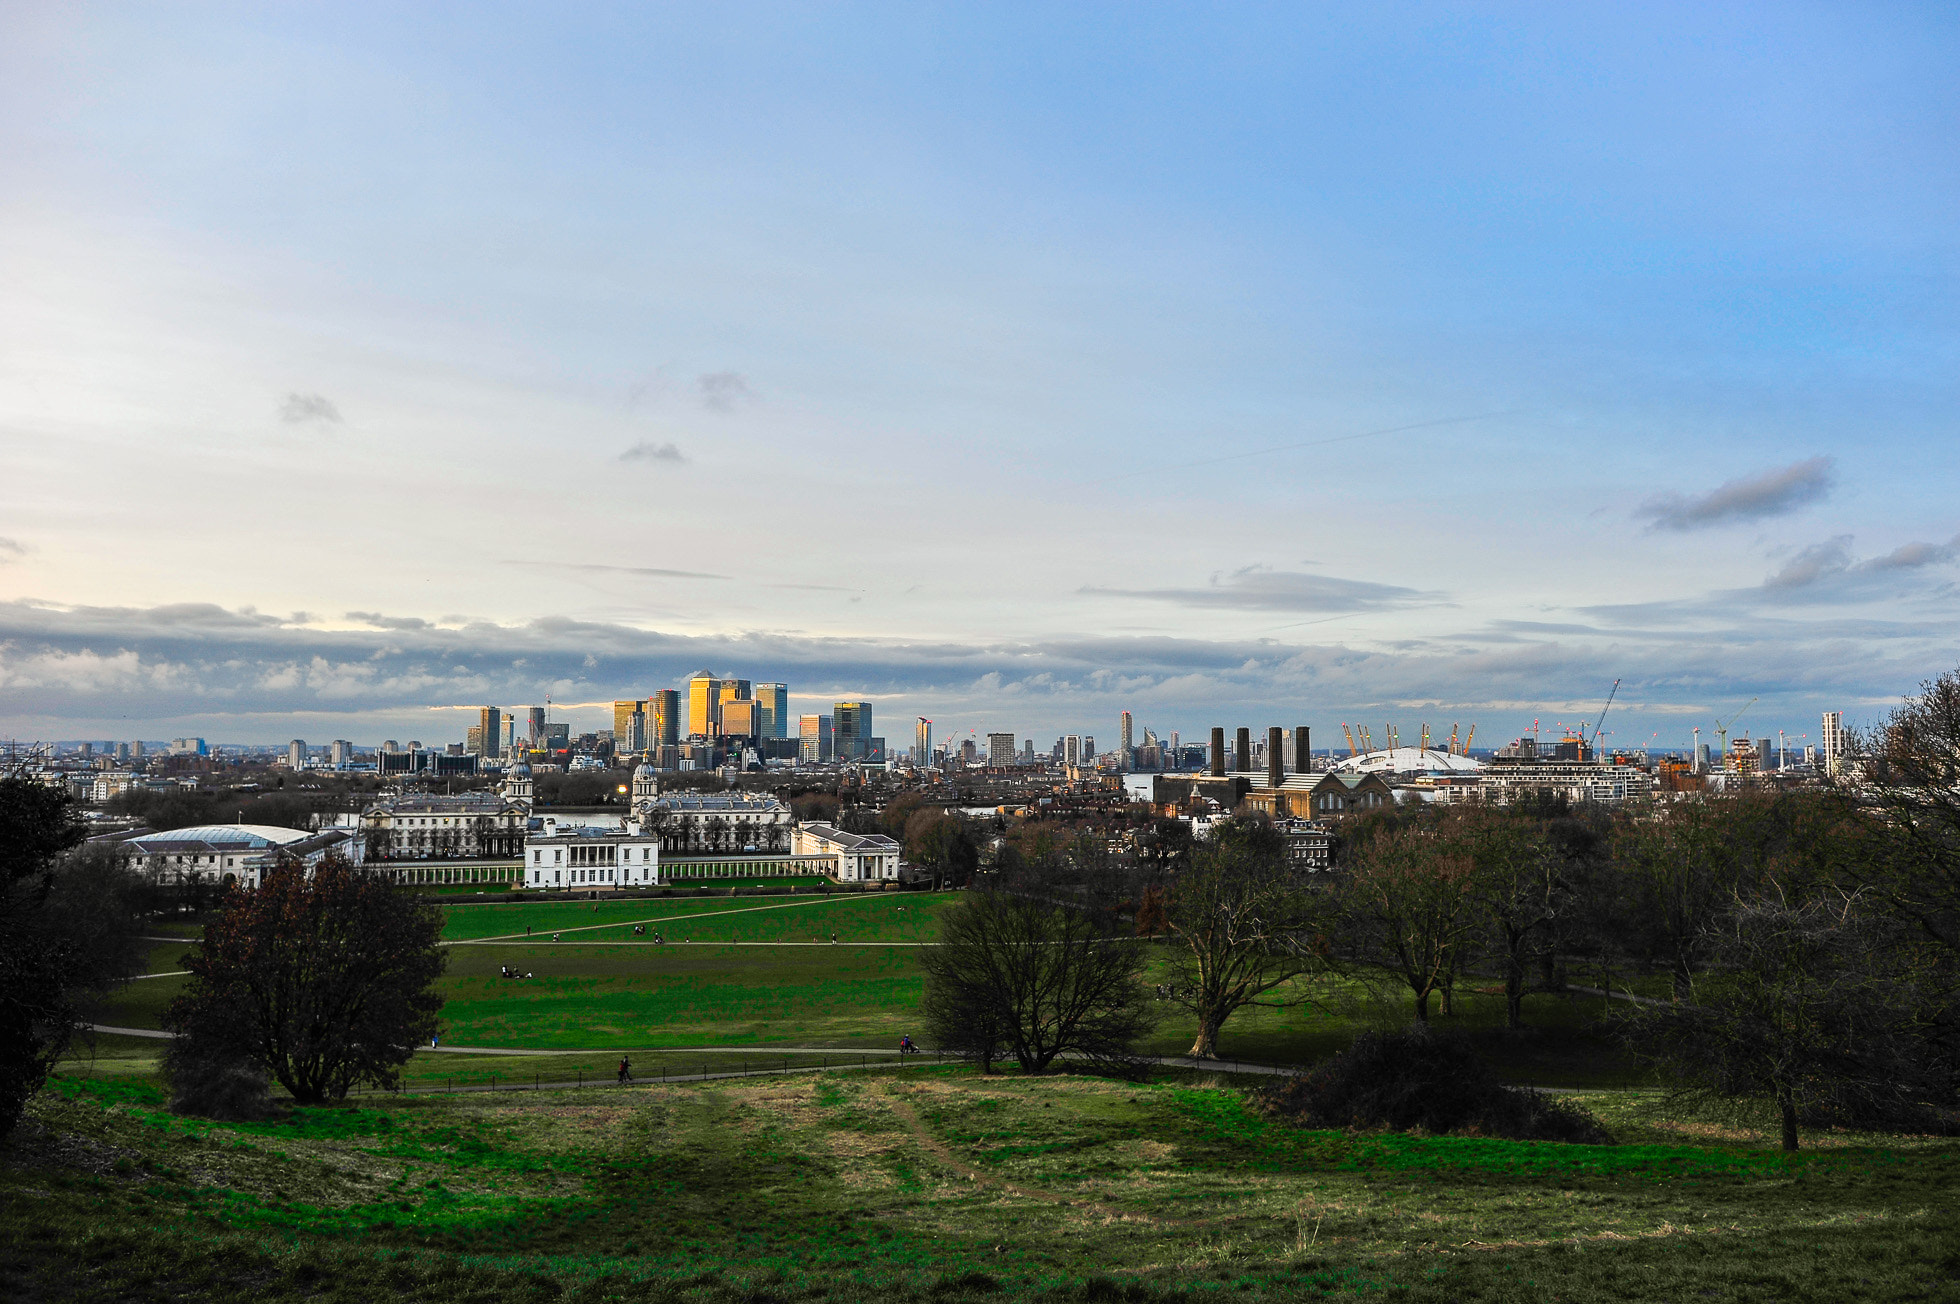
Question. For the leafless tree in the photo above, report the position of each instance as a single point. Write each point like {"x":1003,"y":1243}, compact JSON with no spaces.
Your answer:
{"x":1248,"y":925}
{"x":1013,"y":974}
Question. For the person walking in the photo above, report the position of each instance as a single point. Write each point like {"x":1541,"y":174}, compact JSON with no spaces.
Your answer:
{"x":625,"y":1069}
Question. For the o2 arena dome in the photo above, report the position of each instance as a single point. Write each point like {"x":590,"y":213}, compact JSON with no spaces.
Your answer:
{"x":1410,"y":760}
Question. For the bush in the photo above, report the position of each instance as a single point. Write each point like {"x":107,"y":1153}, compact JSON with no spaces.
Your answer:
{"x":1425,"y":1080}
{"x":213,"y":1084}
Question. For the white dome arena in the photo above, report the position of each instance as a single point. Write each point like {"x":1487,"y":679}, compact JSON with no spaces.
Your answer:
{"x":1410,"y":760}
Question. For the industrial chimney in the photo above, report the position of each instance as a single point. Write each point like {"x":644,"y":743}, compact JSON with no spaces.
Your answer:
{"x":1244,"y":753}
{"x":1275,"y":757}
{"x":1218,"y":752}
{"x":1302,"y":750}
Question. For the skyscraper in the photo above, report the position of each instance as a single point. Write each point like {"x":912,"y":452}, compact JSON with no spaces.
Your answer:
{"x":1125,"y":729}
{"x":664,"y":718}
{"x":703,"y":704}
{"x":1000,"y":748}
{"x":536,"y":714}
{"x":1071,"y":749}
{"x":922,"y":742}
{"x":814,"y":740}
{"x":1832,"y":739}
{"x":491,"y":721}
{"x":296,"y":754}
{"x":623,"y":713}
{"x":851,"y":729}
{"x":735,"y":690}
{"x":773,"y":702}
{"x":739,"y":717}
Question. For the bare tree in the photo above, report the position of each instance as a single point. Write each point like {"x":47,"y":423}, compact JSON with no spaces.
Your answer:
{"x":1409,"y":905}
{"x":1014,"y":974}
{"x":1811,"y":1005}
{"x":1520,"y":888}
{"x":1248,"y":925}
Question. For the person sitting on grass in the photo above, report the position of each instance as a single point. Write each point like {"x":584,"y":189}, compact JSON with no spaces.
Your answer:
{"x":554,"y":937}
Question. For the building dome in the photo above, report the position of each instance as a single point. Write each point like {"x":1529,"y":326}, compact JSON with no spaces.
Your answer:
{"x":520,"y":771}
{"x":1410,"y":760}
{"x":644,"y":771}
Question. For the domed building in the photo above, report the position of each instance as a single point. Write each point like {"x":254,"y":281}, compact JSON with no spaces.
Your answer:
{"x":1410,"y":760}
{"x":212,"y":853}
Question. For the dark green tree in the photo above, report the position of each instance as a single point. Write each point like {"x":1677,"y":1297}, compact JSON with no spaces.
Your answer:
{"x":323,"y":979}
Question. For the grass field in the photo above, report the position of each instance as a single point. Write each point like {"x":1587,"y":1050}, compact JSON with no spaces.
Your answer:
{"x":937,"y":1184}
{"x":717,"y":983}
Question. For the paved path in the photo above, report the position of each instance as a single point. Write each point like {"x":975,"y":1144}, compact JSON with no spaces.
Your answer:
{"x":628,"y":923}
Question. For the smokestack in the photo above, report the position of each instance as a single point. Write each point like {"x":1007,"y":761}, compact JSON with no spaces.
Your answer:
{"x":1218,"y":752}
{"x":1242,"y":757}
{"x":1275,"y":757}
{"x":1302,"y":749}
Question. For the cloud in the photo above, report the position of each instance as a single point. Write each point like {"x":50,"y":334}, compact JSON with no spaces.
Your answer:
{"x":722,"y":390}
{"x":1772,"y":493}
{"x":1818,"y":561}
{"x":299,"y":409}
{"x":593,"y":567}
{"x":1255,"y":588}
{"x":1912,"y":556}
{"x":648,"y":451}
{"x":11,"y":550}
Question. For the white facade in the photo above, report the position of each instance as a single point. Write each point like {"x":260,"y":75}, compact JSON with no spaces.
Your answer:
{"x":213,"y":853}
{"x":581,"y":859}
{"x":1832,"y":740}
{"x":860,"y":857}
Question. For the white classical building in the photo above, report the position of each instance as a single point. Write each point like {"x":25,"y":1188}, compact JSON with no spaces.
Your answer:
{"x":212,"y":853}
{"x":860,"y":857}
{"x":584,"y":859}
{"x":714,"y":823}
{"x":436,"y":827}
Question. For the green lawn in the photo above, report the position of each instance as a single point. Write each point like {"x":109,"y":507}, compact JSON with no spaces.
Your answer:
{"x":937,"y":1184}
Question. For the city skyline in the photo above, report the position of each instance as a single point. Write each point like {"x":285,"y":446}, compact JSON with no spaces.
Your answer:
{"x":1388,"y":366}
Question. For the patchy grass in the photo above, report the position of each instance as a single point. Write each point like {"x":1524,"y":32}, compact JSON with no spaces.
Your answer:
{"x":934,"y":1185}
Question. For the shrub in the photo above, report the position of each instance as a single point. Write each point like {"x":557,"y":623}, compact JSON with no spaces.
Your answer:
{"x":1428,"y":1080}
{"x":214,"y":1084}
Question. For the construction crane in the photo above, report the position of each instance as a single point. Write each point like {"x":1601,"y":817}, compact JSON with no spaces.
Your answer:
{"x":1723,"y":729}
{"x":1602,"y":712}
{"x":1350,"y":739}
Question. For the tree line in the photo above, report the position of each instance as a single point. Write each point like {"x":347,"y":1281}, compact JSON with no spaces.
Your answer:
{"x":1798,"y":947}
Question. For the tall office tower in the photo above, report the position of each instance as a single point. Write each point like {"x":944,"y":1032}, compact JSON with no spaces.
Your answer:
{"x":536,"y":718}
{"x":814,"y":743}
{"x":296,"y":753}
{"x":1832,"y":740}
{"x":922,"y":742}
{"x":1000,"y":748}
{"x":736,"y":690}
{"x":851,"y":729}
{"x":1027,"y":752}
{"x":1088,"y":749}
{"x":623,"y":713}
{"x":1125,"y":731}
{"x":510,"y":733}
{"x":703,"y":705}
{"x":739,"y":717}
{"x":663,"y":710}
{"x":136,"y":750}
{"x":1071,"y":749}
{"x":343,"y":752}
{"x":472,"y":740}
{"x":774,"y":700}
{"x":1175,"y":750}
{"x":491,"y":721}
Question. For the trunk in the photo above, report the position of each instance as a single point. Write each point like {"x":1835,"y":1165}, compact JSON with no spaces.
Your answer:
{"x":1786,"y":1105}
{"x":1514,"y":996}
{"x":1206,"y":1046}
{"x":1449,"y":1000}
{"x":1422,"y":1006}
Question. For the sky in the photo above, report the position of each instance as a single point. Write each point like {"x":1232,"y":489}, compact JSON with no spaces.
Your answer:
{"x":1009,"y":365}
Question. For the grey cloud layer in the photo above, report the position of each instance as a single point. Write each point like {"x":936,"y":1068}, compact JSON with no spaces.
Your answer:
{"x":1771,"y":493}
{"x":1257,"y":589}
{"x":202,"y":662}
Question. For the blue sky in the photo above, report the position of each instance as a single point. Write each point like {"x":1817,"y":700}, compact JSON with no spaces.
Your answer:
{"x":1010,"y":366}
